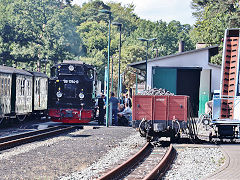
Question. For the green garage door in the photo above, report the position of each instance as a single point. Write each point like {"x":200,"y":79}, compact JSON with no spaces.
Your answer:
{"x":180,"y":81}
{"x":204,"y":90}
{"x":165,"y":78}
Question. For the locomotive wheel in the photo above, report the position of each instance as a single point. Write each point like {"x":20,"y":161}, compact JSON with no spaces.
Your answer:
{"x":21,"y":118}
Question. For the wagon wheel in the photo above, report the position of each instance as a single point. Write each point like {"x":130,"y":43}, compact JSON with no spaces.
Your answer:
{"x":174,"y":137}
{"x":142,"y":129}
{"x":21,"y":118}
{"x":210,"y":137}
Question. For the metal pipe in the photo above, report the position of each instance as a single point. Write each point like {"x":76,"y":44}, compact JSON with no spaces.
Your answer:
{"x":119,"y":70}
{"x":148,"y":40}
{"x":107,"y":101}
{"x":112,"y":76}
{"x":136,"y":90}
{"x":108,"y":63}
{"x":146,"y":66}
{"x":119,"y":60}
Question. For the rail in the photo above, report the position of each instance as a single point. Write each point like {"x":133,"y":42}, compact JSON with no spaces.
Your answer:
{"x":157,"y":172}
{"x":19,"y":139}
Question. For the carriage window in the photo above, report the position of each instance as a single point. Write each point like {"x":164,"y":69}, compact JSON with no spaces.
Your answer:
{"x":36,"y":85}
{"x":8,"y":86}
{"x":39,"y":85}
{"x":5,"y":86}
{"x":22,"y":87}
{"x":0,"y":86}
{"x":37,"y":88}
{"x":28,"y":88}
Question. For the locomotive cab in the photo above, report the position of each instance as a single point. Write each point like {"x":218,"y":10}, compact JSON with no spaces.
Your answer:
{"x":72,"y":92}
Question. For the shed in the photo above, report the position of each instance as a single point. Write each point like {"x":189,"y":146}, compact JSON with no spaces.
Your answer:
{"x":185,"y":73}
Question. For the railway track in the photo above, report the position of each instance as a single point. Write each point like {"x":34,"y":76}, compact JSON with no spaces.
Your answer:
{"x":23,"y":138}
{"x":149,"y":163}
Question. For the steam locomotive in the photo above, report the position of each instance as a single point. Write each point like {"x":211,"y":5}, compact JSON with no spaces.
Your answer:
{"x":72,"y":92}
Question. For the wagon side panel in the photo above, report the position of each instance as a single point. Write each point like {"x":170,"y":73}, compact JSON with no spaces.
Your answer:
{"x":160,"y":111}
{"x":178,"y":108}
{"x":142,"y":108}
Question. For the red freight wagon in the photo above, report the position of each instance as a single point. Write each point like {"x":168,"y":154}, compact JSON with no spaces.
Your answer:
{"x":164,"y":115}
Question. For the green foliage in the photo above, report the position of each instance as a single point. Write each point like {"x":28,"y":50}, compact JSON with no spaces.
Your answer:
{"x":36,"y":30}
{"x":54,"y":30}
{"x":213,"y":17}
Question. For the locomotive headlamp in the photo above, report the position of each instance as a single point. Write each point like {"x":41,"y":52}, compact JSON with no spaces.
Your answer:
{"x":71,"y":68}
{"x":59,"y":94}
{"x":81,"y":95}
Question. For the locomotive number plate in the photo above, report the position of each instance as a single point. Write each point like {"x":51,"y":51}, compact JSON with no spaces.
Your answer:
{"x":70,"y":81}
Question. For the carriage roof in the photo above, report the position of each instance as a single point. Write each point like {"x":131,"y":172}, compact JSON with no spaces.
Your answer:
{"x":12,"y":70}
{"x":38,"y":74}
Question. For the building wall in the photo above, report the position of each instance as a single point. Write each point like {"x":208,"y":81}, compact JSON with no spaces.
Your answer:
{"x":196,"y":59}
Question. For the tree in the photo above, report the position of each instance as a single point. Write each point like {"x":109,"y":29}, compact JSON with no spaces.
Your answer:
{"x":213,"y":17}
{"x":37,"y":30}
{"x":31,"y":31}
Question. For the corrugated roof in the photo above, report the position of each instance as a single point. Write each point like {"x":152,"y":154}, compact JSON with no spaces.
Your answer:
{"x":172,"y":55}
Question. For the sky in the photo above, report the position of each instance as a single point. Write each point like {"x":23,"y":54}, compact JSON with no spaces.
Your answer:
{"x":154,"y":10}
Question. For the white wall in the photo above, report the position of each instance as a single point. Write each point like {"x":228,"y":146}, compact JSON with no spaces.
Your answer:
{"x":195,"y":59}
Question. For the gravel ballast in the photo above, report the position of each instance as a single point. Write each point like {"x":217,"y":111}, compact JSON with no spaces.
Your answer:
{"x":87,"y":154}
{"x":195,"y":163}
{"x":122,"y":151}
{"x":63,"y":155}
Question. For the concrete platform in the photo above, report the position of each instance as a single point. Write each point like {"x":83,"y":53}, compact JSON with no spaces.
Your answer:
{"x":231,"y":168}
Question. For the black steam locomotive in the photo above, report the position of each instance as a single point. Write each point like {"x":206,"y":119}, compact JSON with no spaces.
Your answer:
{"x":72,"y":92}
